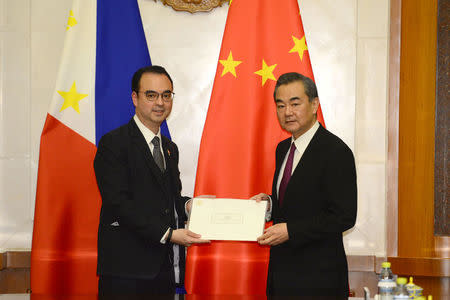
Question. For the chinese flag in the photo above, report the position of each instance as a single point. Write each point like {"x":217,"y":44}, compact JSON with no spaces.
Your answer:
{"x":262,"y":40}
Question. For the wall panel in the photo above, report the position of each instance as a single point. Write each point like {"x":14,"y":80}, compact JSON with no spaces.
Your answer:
{"x":416,"y":129}
{"x":414,"y":249}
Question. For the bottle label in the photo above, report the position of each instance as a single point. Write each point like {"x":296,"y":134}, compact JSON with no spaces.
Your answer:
{"x":386,"y":290}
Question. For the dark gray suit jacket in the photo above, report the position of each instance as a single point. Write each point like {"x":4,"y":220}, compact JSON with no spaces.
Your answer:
{"x":140,"y":198}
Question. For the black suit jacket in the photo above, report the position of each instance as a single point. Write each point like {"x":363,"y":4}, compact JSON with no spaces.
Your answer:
{"x":319,"y":204}
{"x":140,"y":198}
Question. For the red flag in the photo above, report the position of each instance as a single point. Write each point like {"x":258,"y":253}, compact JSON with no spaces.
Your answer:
{"x":64,"y":254}
{"x":262,"y":40}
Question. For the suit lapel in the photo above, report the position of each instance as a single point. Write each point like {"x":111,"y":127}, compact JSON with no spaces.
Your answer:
{"x":139,"y":140}
{"x":308,"y":159}
{"x":311,"y":150}
{"x":167,"y":155}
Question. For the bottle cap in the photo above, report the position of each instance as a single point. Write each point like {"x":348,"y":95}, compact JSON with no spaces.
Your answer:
{"x":385,"y":264}
{"x":410,"y":284}
{"x":401,"y":280}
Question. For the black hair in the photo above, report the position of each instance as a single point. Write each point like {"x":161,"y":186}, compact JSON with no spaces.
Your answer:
{"x":149,"y":69}
{"x":308,"y":84}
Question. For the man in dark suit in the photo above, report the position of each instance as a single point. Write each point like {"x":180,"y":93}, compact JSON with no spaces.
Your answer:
{"x":314,"y":199}
{"x":142,"y":215}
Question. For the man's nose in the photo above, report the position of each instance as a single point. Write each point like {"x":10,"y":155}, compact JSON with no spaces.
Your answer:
{"x":159,"y":100}
{"x":288,"y":110}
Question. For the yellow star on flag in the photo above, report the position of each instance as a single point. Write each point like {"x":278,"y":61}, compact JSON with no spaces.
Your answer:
{"x":71,"y":21}
{"x":266,"y":72}
{"x":71,"y":98}
{"x":300,"y":46}
{"x":229,"y":3}
{"x":229,"y":65}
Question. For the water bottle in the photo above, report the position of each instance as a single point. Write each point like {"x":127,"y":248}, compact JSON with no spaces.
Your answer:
{"x":386,"y":283}
{"x":400,"y":290}
{"x":386,"y":273}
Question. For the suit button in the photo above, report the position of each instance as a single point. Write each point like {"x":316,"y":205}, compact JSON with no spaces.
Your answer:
{"x":166,"y":211}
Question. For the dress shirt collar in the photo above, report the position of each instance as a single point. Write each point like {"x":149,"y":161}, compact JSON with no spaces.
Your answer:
{"x":305,"y":138}
{"x":147,"y":133}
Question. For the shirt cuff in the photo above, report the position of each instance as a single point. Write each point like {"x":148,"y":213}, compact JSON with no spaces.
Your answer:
{"x":185,"y":208}
{"x":269,"y":213}
{"x":164,"y":238}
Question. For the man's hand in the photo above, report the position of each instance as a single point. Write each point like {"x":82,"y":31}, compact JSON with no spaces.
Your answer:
{"x":262,"y":197}
{"x":274,"y":235}
{"x":186,"y":237}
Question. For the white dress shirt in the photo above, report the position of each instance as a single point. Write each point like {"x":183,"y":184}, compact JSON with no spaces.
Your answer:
{"x":300,"y":144}
{"x":149,"y":135}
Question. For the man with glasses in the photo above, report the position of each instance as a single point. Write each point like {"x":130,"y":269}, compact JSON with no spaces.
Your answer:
{"x":141,"y":228}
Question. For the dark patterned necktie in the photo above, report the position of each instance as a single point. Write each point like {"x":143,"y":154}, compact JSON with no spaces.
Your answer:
{"x":157,"y":155}
{"x":286,"y":174}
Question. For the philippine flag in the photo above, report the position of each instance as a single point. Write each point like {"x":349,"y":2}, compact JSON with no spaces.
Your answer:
{"x":104,"y":45}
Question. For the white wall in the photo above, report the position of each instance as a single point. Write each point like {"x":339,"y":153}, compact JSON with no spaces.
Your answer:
{"x":15,"y":123}
{"x":348,"y":44}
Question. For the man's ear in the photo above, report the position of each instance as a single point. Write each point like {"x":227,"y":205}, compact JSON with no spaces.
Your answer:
{"x":315,"y":104}
{"x":134,"y":98}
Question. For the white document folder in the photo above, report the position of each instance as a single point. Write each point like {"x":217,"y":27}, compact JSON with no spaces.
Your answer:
{"x":227,"y":219}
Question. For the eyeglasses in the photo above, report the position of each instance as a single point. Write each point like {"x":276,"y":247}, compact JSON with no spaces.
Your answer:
{"x":152,"y":96}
